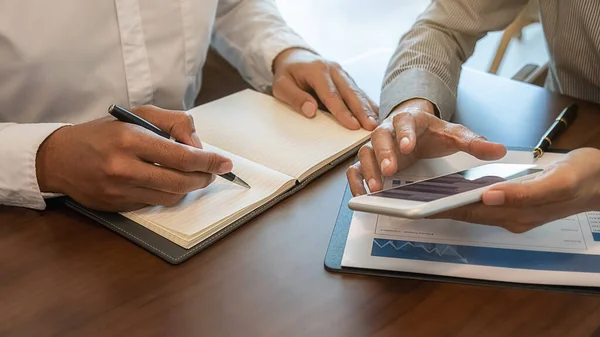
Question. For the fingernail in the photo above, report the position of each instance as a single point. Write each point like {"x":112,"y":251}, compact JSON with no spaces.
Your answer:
{"x":373,"y":184}
{"x":196,"y":140}
{"x":404,"y":143}
{"x":493,"y":198}
{"x":373,"y":120}
{"x":385,"y":164}
{"x":225,"y":167}
{"x":308,"y":109}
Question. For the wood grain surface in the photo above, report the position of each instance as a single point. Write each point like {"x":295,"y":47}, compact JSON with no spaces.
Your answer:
{"x":64,"y":275}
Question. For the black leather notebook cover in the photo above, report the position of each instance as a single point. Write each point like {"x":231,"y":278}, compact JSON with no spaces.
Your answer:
{"x":172,"y":252}
{"x":337,"y":244}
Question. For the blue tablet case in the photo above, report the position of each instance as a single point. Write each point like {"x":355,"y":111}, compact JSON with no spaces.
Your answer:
{"x":337,"y":244}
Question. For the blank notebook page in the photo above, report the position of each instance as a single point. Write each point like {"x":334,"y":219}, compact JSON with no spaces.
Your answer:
{"x":260,"y":128}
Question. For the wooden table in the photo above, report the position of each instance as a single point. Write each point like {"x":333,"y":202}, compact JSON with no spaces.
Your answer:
{"x":63,"y":275}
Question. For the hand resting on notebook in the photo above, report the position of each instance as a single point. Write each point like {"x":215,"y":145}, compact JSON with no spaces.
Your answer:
{"x":412,"y":132}
{"x":113,"y":166}
{"x":298,"y":73}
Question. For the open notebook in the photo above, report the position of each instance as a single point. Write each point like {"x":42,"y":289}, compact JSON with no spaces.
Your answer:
{"x":274,"y":149}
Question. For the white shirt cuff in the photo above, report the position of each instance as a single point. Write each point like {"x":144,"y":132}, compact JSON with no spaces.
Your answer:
{"x":19,"y":144}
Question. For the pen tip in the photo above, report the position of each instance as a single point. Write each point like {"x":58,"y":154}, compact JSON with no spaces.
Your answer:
{"x":242,"y":183}
{"x":111,"y":107}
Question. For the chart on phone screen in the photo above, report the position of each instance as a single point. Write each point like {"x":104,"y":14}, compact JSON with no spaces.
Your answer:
{"x":561,"y":235}
{"x":402,"y":180}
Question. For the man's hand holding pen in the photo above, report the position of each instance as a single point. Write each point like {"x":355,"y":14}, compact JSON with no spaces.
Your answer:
{"x":108,"y":165}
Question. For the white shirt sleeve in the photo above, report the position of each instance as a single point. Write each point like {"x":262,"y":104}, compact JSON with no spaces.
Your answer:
{"x":19,"y":144}
{"x":249,"y":34}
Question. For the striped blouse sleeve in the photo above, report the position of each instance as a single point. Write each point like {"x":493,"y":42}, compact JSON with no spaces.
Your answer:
{"x":429,"y":57}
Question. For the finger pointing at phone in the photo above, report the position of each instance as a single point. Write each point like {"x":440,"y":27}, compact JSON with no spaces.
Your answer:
{"x":410,"y":133}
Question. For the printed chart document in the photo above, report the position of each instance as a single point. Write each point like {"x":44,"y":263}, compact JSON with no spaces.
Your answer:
{"x":563,"y":252}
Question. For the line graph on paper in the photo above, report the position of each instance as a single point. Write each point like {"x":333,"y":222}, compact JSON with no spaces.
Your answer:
{"x":422,"y":250}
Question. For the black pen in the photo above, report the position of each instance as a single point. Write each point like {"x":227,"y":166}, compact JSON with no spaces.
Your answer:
{"x":562,"y":122}
{"x":127,"y":116}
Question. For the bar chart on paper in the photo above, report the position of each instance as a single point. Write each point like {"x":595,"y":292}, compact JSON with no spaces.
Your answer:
{"x":593,"y":219}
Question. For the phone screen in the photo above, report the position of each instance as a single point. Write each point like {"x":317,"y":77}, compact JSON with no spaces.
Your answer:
{"x":459,"y":182}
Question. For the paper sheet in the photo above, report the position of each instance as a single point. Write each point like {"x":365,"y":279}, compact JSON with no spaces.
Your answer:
{"x":563,"y":252}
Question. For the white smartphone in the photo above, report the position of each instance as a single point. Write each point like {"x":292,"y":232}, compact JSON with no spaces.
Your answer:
{"x":424,"y":198}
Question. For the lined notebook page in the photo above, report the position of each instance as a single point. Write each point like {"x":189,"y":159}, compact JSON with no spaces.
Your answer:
{"x":260,"y":128}
{"x":219,"y":204}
